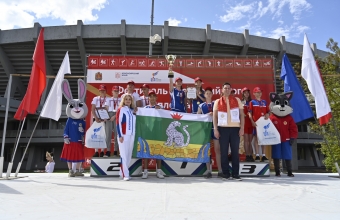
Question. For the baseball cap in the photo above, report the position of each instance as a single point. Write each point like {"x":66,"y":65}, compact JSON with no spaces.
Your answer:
{"x":257,"y":89}
{"x":245,"y":89}
{"x":102,"y":88}
{"x":131,"y":82}
{"x":115,"y":88}
{"x":178,"y":78}
{"x":145,"y":86}
{"x":208,"y":89}
{"x":152,"y":93}
{"x":198,"y":79}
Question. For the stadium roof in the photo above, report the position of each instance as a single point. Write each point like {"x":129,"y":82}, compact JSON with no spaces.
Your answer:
{"x":17,"y":47}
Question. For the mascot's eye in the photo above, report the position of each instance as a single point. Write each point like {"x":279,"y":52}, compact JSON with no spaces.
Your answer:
{"x":80,"y":104}
{"x":286,"y":102}
{"x":71,"y":106}
{"x":277,"y":102}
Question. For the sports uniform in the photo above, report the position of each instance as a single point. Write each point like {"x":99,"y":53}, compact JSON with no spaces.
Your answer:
{"x":258,"y":108}
{"x":207,"y":108}
{"x":177,"y":100}
{"x":126,"y":125}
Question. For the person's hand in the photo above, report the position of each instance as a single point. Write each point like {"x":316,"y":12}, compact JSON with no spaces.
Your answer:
{"x":291,"y":141}
{"x":253,"y":123}
{"x":241,"y":132}
{"x":98,"y":120}
{"x":210,"y":113}
{"x":112,"y":118}
{"x":216,"y":134}
{"x":66,"y":140}
{"x":105,"y":120}
{"x":157,"y":107}
{"x":266,"y":116}
{"x":121,"y":139}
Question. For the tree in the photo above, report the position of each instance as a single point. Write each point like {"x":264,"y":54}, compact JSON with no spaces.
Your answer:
{"x":329,"y":68}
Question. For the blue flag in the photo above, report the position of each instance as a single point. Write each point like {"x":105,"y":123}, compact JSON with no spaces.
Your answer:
{"x":299,"y":102}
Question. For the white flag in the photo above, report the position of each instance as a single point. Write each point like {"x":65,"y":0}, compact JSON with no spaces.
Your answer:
{"x":53,"y":103}
{"x":311,"y":74}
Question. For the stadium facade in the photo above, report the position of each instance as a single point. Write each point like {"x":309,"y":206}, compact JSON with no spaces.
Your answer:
{"x":17,"y":47}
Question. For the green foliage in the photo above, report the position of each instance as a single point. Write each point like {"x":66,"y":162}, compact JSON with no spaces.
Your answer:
{"x":329,"y":68}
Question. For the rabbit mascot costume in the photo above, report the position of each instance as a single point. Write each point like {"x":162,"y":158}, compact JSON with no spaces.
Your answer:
{"x":287,"y":128}
{"x":76,"y":110}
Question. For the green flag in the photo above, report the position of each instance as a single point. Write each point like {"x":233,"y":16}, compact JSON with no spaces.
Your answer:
{"x":167,"y":135}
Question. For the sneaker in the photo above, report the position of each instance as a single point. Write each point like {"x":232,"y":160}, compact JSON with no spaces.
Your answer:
{"x":290,"y":174}
{"x":225,"y":177}
{"x":158,"y":174}
{"x":208,"y":175}
{"x":257,"y":159}
{"x":101,"y":154}
{"x":264,"y":159}
{"x":220,"y":175}
{"x":126,"y":178}
{"x":278,"y":173}
{"x":71,"y":173}
{"x":238,"y":178}
{"x":96,"y":154}
{"x":251,"y":158}
{"x":78,"y":174}
{"x":145,"y":175}
{"x":107,"y":154}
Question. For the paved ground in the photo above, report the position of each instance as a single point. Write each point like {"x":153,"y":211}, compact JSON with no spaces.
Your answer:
{"x":55,"y":196}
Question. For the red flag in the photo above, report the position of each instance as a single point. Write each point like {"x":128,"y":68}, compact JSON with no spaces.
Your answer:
{"x":37,"y":82}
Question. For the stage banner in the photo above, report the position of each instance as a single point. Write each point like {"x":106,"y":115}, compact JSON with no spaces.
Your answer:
{"x":167,"y":135}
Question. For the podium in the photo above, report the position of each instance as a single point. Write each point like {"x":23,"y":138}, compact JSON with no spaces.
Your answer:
{"x":109,"y":167}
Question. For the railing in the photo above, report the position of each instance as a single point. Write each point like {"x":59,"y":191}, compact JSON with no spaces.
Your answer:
{"x":307,"y":135}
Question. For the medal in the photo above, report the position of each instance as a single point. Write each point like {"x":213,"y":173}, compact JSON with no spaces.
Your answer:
{"x":209,"y":107}
{"x":146,"y":101}
{"x":101,"y":102}
{"x":181,"y":97}
{"x":115,"y":104}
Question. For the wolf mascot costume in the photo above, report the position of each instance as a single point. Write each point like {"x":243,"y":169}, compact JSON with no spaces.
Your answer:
{"x":287,"y":128}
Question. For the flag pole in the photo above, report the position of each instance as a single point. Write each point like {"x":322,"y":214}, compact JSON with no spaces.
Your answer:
{"x":28,"y":143}
{"x":5,"y":125}
{"x":10,"y":165}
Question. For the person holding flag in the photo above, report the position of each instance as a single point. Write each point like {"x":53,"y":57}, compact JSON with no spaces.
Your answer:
{"x":207,"y":108}
{"x":152,"y":97}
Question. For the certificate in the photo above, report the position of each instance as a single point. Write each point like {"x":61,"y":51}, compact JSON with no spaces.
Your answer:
{"x":102,"y":113}
{"x":191,"y":93}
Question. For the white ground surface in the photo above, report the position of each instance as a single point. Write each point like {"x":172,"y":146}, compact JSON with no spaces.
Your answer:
{"x":55,"y":196}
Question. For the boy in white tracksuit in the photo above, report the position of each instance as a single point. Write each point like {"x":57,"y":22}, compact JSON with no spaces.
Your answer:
{"x":126,"y":125}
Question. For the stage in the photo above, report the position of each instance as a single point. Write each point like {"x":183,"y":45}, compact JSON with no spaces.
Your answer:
{"x":55,"y":196}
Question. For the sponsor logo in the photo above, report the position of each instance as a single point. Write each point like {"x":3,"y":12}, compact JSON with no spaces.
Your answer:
{"x":153,"y":78}
{"x":117,"y":75}
{"x":98,"y":76}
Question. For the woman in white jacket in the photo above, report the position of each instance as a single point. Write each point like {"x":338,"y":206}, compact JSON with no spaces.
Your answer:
{"x":126,"y":125}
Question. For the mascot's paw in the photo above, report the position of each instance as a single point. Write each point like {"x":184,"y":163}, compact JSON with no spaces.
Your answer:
{"x":66,"y":140}
{"x":291,"y":141}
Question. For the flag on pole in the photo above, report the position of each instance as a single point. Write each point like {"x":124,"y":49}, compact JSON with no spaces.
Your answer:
{"x":311,"y":74}
{"x":37,"y":82}
{"x":53,"y":103}
{"x":299,"y":102}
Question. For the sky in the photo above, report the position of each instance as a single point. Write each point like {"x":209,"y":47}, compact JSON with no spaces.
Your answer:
{"x":266,"y":18}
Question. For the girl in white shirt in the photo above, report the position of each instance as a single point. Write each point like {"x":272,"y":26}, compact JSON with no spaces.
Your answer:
{"x":49,"y":168}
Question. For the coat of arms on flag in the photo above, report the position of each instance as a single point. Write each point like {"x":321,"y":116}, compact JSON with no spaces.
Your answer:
{"x":167,"y":135}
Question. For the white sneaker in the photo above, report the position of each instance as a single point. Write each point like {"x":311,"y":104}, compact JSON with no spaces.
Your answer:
{"x":145,"y":175}
{"x":126,"y":179}
{"x":159,"y":175}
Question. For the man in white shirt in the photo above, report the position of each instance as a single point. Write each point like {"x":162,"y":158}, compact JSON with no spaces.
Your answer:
{"x":131,"y":90}
{"x":145,"y":98}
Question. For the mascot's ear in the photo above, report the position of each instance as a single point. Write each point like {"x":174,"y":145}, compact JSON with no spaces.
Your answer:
{"x":288,"y":95}
{"x":273,"y":96}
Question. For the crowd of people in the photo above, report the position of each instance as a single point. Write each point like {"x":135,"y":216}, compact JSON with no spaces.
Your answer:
{"x":231,"y":118}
